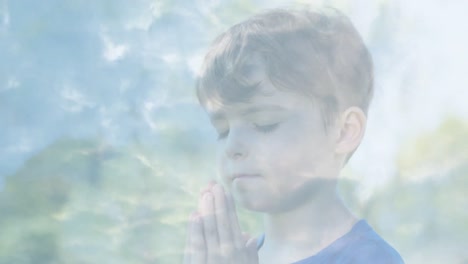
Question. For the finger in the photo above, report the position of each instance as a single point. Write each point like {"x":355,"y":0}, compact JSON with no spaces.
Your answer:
{"x":208,"y":187}
{"x":209,"y":224}
{"x":246,"y":237}
{"x":234,"y":222}
{"x":252,"y":252}
{"x":226,"y":242}
{"x":198,"y":249}
{"x":251,"y":242}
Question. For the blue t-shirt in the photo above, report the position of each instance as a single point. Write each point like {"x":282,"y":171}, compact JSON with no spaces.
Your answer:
{"x":359,"y":246}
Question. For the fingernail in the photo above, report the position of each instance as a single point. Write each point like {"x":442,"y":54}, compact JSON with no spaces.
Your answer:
{"x":208,"y":196}
{"x":210,"y":185}
{"x":207,"y":188}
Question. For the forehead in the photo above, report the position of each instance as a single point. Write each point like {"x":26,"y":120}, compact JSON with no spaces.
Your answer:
{"x":268,"y":98}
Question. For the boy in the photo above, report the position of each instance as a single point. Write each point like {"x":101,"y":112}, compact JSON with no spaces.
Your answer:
{"x":287,"y":92}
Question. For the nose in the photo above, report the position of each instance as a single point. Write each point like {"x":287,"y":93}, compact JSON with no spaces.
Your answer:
{"x":236,"y":146}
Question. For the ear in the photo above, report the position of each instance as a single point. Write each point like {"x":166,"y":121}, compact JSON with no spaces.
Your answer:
{"x":351,"y":131}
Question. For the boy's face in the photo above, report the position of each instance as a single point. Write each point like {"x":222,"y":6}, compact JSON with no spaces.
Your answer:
{"x":274,"y":152}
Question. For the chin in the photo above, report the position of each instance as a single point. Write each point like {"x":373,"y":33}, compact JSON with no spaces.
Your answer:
{"x":251,"y":204}
{"x":258,"y":205}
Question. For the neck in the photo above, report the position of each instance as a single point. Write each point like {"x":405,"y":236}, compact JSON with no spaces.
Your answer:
{"x":306,"y":229}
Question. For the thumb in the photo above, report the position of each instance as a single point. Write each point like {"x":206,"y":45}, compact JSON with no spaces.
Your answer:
{"x":252,"y":243}
{"x":246,"y":237}
{"x":252,"y":249}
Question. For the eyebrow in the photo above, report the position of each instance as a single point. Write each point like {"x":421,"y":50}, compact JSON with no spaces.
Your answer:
{"x":217,"y":115}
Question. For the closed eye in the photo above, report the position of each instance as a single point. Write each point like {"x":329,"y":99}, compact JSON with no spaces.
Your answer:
{"x":262,"y":128}
{"x":267,"y":128}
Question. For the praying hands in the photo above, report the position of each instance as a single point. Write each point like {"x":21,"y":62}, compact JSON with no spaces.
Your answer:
{"x":214,"y":234}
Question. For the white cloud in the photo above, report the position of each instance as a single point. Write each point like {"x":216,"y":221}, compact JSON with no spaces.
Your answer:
{"x":145,"y":19}
{"x":171,"y":58}
{"x":74,"y":100}
{"x":194,"y":63}
{"x":5,"y":15}
{"x":112,"y":50}
{"x":22,"y":145}
{"x":11,"y":83}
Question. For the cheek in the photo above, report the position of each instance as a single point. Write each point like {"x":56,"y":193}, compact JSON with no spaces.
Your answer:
{"x":220,"y":164}
{"x":298,"y":153}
